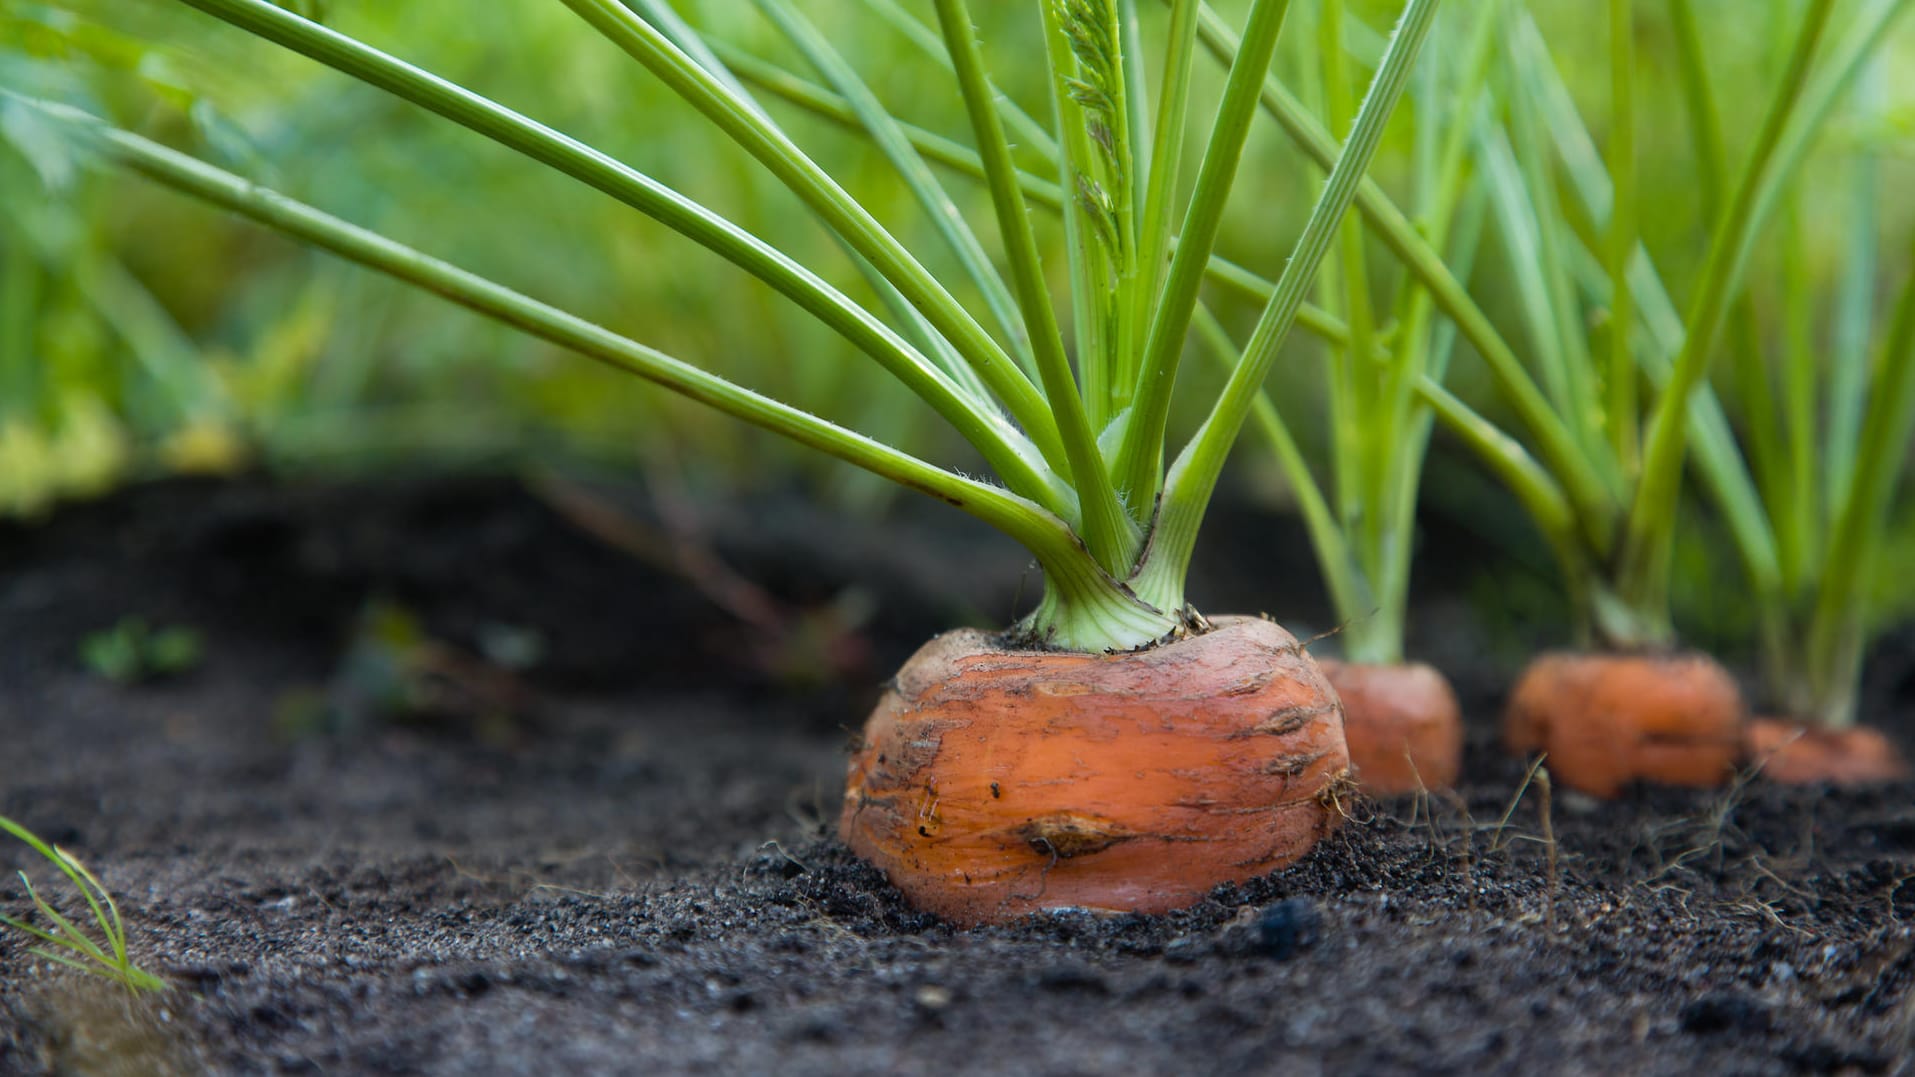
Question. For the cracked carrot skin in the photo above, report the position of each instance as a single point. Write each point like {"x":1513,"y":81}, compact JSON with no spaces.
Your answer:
{"x":994,"y":782}
{"x":1607,"y":720}
{"x":1403,"y":724}
{"x":1795,"y":754}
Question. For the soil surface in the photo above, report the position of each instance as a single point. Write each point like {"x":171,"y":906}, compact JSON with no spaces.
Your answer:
{"x":459,"y":787}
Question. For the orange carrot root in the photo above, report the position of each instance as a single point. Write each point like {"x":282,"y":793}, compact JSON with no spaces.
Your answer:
{"x":1607,"y":720}
{"x":1403,"y":724}
{"x":1797,"y":755}
{"x":993,"y":782}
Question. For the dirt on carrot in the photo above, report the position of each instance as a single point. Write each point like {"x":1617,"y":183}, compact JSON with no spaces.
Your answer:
{"x":1607,"y":720}
{"x":995,"y":782}
{"x":1795,"y":754}
{"x":1403,"y":724}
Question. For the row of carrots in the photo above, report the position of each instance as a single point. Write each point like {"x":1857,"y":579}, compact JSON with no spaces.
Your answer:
{"x":993,"y":781}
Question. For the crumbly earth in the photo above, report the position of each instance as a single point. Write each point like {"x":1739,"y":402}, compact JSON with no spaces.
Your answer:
{"x":638,"y":873}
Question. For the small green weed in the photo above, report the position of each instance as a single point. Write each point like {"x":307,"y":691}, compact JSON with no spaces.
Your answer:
{"x":63,"y":941}
{"x":133,"y":651}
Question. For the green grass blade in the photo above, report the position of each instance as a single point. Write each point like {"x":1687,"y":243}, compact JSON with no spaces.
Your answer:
{"x":64,"y":934}
{"x":75,"y":872}
{"x":28,"y":929}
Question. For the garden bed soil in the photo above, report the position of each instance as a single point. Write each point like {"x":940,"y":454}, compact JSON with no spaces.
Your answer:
{"x":622,"y":859}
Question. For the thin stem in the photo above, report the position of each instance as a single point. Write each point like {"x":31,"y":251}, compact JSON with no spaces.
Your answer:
{"x":1026,"y":130}
{"x":820,"y":101}
{"x":888,"y":135}
{"x":1849,"y":351}
{"x":1543,"y":499}
{"x":1007,"y":450}
{"x":1193,"y":477}
{"x":1348,"y":593}
{"x":1705,"y":120}
{"x":845,"y":216}
{"x":1139,"y":463}
{"x":1362,"y":443}
{"x":1841,"y":609}
{"x":918,"y":329}
{"x":1086,"y":66}
{"x":1644,"y":575}
{"x":1620,"y":376}
{"x":1041,"y":532}
{"x":1719,"y":461}
{"x":1038,"y":191}
{"x":1594,"y":500}
{"x":1108,"y":533}
{"x":1166,"y":156}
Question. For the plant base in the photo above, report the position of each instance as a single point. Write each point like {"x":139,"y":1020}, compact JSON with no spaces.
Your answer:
{"x":995,"y":782}
{"x":1403,"y":725}
{"x":1606,"y":720}
{"x":1795,"y":754}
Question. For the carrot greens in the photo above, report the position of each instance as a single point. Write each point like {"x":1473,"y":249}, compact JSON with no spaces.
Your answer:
{"x":1607,"y":463}
{"x":1069,"y":403}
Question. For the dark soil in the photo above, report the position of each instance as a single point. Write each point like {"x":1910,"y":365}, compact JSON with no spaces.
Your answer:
{"x":621,"y":860}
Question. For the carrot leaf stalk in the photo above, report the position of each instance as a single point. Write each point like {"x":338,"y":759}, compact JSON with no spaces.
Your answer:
{"x":1075,"y":441}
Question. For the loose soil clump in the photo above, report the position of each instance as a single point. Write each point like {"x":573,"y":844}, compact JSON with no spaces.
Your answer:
{"x":636,"y":871}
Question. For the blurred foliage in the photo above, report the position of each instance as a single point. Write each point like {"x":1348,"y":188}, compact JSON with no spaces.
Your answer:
{"x":133,"y":651}
{"x":141,"y":334}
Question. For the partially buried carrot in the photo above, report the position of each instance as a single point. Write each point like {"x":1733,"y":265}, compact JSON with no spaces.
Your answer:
{"x":1403,"y":725}
{"x":1607,"y":720}
{"x":1795,"y":754}
{"x":995,"y":782}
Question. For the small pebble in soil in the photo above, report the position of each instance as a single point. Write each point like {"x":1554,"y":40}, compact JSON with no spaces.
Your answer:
{"x":1289,"y":926}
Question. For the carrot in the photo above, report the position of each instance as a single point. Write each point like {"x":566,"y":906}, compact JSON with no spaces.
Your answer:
{"x":995,"y":782}
{"x":1606,"y":720}
{"x":1402,"y":722}
{"x":1797,"y":754}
